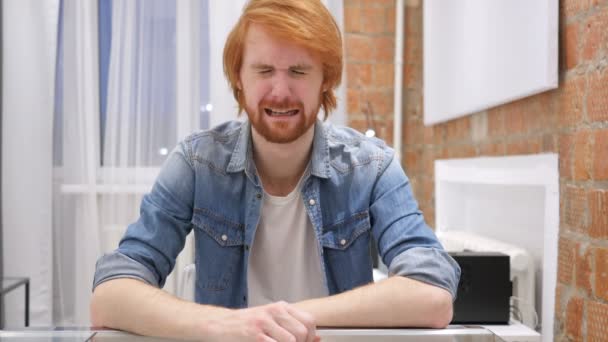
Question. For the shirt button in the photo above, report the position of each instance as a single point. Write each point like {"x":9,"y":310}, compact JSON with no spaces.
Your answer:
{"x":311,"y":202}
{"x":224,"y":237}
{"x":343,"y":242}
{"x":258,"y":196}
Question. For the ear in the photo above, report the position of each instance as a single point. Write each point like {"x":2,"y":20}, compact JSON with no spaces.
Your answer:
{"x":239,"y":86}
{"x":324,"y":87}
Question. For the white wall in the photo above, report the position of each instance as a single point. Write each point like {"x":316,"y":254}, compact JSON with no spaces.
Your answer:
{"x":29,"y":33}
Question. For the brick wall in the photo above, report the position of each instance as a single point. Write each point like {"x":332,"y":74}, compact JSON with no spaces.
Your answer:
{"x":571,"y":121}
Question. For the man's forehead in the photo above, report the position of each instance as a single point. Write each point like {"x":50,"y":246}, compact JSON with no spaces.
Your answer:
{"x":263,"y":47}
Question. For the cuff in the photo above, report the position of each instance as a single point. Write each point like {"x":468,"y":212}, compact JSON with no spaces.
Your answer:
{"x":117,"y":265}
{"x":430,"y":265}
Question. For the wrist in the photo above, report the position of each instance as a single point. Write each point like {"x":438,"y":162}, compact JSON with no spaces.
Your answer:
{"x":206,"y":323}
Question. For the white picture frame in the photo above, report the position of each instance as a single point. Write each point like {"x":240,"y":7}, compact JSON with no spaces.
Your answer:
{"x":483,"y":53}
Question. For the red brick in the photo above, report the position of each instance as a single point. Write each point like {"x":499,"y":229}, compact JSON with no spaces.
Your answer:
{"x":597,"y":321}
{"x":571,"y":8}
{"x":377,"y":3}
{"x":413,"y":51}
{"x":600,"y":155}
{"x":582,"y":156}
{"x":566,"y":142}
{"x":383,"y":49}
{"x":583,"y":270}
{"x":384,"y":126}
{"x":358,"y":75}
{"x":411,"y":75}
{"x":358,"y":124}
{"x":413,"y":22}
{"x":570,"y":97}
{"x":413,"y":133}
{"x":595,"y":35}
{"x":574,"y":318}
{"x":384,"y":74}
{"x":428,"y":133}
{"x":359,"y":48}
{"x":458,"y":129}
{"x":496,"y":122}
{"x":531,"y":145}
{"x":567,"y":252}
{"x":352,"y":101}
{"x":569,"y":46}
{"x":549,"y":143}
{"x":547,"y":111}
{"x":428,"y":162}
{"x":560,"y":290}
{"x":390,"y":19}
{"x":601,"y":273}
{"x":352,"y":19}
{"x":373,"y":19}
{"x":412,"y":104}
{"x":381,"y":101}
{"x":412,"y":162}
{"x":461,"y":151}
{"x":597,"y":98}
{"x":493,"y":149}
{"x":439,"y":134}
{"x":598,"y":213}
{"x":514,"y":117}
{"x":574,"y":202}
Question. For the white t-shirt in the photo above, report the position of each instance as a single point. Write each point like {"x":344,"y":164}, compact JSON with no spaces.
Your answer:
{"x":284,"y":261}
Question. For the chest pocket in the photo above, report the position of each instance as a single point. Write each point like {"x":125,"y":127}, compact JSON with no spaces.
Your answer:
{"x":346,"y":252}
{"x":219,"y":250}
{"x":340,"y":236}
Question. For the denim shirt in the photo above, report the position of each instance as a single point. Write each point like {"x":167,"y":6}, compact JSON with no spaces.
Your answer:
{"x":353,"y":189}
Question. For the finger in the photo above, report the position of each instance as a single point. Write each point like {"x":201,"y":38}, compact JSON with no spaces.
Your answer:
{"x":266,"y":338}
{"x":276,"y":332}
{"x":294,"y":326}
{"x":305,"y":318}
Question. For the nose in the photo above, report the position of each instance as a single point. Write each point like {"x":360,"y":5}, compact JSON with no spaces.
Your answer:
{"x":281,"y":87}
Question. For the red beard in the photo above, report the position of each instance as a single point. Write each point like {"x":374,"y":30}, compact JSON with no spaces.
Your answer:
{"x":281,"y":131}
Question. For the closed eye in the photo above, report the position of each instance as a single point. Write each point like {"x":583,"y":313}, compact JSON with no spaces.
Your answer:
{"x":298,"y":72}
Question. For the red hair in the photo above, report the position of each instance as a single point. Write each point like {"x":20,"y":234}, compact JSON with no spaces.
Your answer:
{"x":306,"y":23}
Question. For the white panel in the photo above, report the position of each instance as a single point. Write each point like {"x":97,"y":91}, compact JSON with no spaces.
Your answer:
{"x":514,"y":199}
{"x":29,"y":35}
{"x":479,"y":54}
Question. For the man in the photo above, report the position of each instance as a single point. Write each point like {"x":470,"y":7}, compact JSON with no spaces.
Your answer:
{"x":283,"y":208}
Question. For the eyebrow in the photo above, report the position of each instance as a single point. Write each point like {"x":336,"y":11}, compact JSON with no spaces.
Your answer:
{"x":262,"y":66}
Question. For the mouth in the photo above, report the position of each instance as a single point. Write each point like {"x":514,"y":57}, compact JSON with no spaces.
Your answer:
{"x":281,"y":113}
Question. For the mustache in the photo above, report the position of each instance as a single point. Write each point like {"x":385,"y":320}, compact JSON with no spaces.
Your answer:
{"x":284,"y":104}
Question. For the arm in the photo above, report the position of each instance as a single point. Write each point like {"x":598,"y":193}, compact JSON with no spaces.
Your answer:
{"x":127,"y":282}
{"x":393,"y":302}
{"x":426,"y":277}
{"x":131,"y":305}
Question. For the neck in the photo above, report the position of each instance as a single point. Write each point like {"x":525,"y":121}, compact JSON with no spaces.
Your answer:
{"x":280,"y":166}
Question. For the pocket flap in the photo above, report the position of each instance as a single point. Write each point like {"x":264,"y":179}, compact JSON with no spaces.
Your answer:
{"x":341,"y":235}
{"x":222,"y":230}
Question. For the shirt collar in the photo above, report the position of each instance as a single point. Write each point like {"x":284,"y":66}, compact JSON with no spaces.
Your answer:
{"x":242,"y":155}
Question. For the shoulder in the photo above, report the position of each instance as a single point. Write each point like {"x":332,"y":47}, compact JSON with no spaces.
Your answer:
{"x":213,"y":146}
{"x":349,"y":148}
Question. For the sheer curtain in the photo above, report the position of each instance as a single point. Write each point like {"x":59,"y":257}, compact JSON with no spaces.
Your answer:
{"x":76,"y":217}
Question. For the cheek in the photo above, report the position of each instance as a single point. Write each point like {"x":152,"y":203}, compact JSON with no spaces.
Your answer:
{"x":255,"y":92}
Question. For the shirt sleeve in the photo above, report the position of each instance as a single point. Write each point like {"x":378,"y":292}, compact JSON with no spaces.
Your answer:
{"x":405,"y":242}
{"x":150,"y":246}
